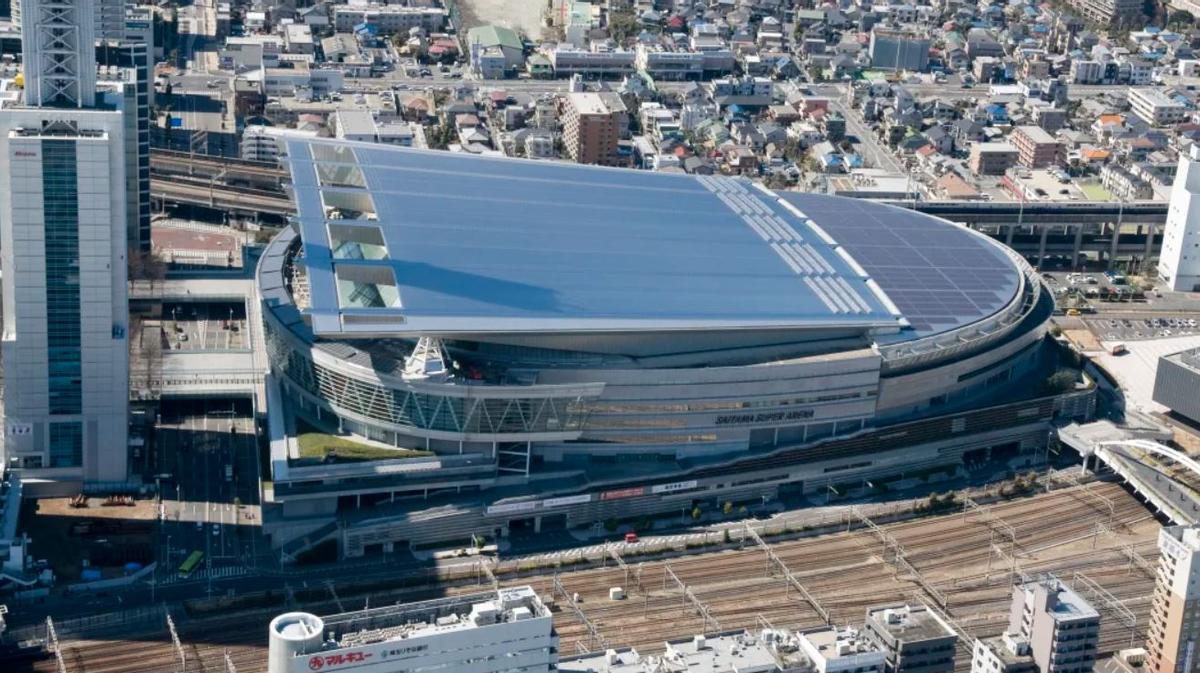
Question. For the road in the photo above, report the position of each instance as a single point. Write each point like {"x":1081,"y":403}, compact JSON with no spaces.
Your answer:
{"x":873,"y":151}
{"x":206,"y":453}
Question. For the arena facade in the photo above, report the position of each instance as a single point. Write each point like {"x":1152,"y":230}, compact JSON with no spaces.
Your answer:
{"x":572,"y":344}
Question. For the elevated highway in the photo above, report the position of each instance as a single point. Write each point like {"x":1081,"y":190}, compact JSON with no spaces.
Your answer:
{"x":1068,"y":212}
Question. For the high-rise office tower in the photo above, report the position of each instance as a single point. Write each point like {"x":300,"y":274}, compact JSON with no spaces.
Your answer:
{"x":62,"y":247}
{"x":1174,"y":626}
{"x":1179,"y":262}
{"x":128,"y":63}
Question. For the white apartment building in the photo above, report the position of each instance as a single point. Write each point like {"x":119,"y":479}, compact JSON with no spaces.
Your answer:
{"x":1155,"y":107}
{"x":1179,"y":259}
{"x":662,"y":63}
{"x":509,"y":630}
{"x":599,"y":63}
{"x":1174,"y":629}
{"x":1061,"y":627}
{"x":1006,"y":653}
{"x":360,"y":124}
{"x":388,"y":19}
{"x":1087,"y":72}
{"x":62,"y":248}
{"x":264,"y":143}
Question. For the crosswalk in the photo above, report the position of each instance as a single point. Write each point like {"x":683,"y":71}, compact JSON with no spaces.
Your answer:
{"x":205,"y":573}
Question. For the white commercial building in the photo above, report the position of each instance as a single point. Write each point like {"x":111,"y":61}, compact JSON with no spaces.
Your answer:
{"x":1155,"y":107}
{"x":509,"y":630}
{"x":63,"y":237}
{"x":842,"y":651}
{"x":598,"y":62}
{"x":1179,"y":260}
{"x":768,"y":651}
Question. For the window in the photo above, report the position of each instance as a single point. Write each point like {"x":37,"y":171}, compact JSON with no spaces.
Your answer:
{"x":60,"y":203}
{"x":366,"y":286}
{"x":66,"y":444}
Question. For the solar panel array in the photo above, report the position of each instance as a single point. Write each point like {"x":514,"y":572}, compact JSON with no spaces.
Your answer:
{"x":801,"y":257}
{"x":482,"y":244}
{"x":938,"y":274}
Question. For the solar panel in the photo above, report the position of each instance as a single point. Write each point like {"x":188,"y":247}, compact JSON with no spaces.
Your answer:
{"x":938,"y":274}
{"x":485,"y":244}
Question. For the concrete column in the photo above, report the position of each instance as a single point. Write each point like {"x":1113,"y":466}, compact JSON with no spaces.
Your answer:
{"x":537,"y":524}
{"x":1041,"y":256}
{"x":1149,"y":246}
{"x":1077,"y":248}
{"x":1008,"y":237}
{"x":1112,"y":248}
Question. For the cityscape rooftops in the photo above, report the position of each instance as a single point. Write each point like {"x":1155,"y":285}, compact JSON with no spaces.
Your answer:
{"x":1061,"y":600}
{"x":734,"y":652}
{"x":415,"y":620}
{"x":587,"y":103}
{"x":909,"y":623}
{"x":1010,"y":649}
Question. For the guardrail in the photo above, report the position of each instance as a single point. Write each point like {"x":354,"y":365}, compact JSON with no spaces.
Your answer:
{"x":975,"y":336}
{"x":113,"y":583}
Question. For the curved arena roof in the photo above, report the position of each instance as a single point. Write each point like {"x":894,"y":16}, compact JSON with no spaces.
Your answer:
{"x":411,"y":242}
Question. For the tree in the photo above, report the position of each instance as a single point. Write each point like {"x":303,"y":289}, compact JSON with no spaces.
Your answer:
{"x":1181,"y":18}
{"x":728,"y":508}
{"x":1059,"y":382}
{"x":622,"y":26}
{"x":696,"y":513}
{"x":146,"y":265}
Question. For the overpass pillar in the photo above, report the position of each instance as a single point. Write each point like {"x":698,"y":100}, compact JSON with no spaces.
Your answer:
{"x":1041,"y":256}
{"x":1077,"y":248}
{"x":1008,"y":237}
{"x":1112,"y":246}
{"x":1150,"y":227}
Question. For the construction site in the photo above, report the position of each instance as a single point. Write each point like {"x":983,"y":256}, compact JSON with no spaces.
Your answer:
{"x":961,"y":561}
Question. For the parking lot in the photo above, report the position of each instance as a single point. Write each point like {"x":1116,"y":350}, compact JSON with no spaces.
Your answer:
{"x":204,"y":326}
{"x":1096,"y":286}
{"x":1116,"y":327}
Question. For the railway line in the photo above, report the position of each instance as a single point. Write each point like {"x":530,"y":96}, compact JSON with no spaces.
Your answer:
{"x":845,"y":572}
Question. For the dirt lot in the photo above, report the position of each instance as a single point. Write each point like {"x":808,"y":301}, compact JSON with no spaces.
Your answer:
{"x":108,"y":537}
{"x":523,"y":16}
{"x":1083,"y":338}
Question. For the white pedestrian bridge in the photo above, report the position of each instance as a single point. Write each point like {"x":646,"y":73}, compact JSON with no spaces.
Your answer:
{"x":1140,"y":461}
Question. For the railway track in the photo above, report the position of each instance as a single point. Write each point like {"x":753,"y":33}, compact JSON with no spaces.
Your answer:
{"x":846,"y":572}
